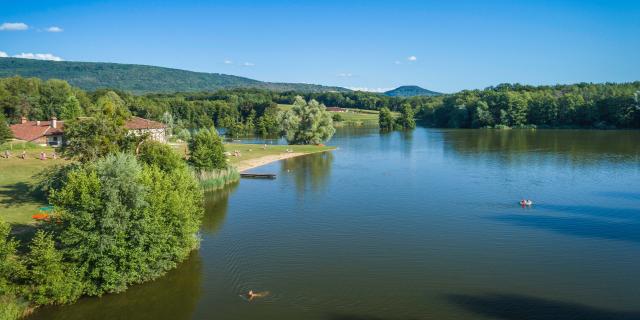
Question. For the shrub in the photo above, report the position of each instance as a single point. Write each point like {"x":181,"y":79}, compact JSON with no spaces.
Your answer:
{"x":206,"y":150}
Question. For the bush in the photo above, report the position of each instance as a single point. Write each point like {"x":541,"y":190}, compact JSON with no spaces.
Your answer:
{"x":336,"y":117}
{"x":206,"y":150}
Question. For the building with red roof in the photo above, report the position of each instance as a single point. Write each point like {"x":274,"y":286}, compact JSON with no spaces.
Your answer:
{"x":51,"y":132}
{"x":40,"y":132}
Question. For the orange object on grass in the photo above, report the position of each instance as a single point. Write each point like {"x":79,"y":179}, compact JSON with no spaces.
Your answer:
{"x":40,"y":216}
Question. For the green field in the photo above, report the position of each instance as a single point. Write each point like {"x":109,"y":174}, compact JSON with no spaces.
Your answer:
{"x":17,"y":201}
{"x":353,"y":117}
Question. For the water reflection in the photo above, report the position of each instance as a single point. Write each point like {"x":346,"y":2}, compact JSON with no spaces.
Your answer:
{"x":578,"y":146}
{"x":311,"y":172}
{"x":406,"y":138}
{"x":215,"y":208}
{"x":175,"y":294}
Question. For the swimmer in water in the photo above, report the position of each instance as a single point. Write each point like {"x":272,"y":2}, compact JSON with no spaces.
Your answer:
{"x":253,"y":295}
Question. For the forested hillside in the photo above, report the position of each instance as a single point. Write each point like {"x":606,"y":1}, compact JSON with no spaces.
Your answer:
{"x":140,"y":79}
{"x":411,"y":91}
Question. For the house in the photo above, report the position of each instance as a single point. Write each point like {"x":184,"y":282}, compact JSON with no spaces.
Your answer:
{"x":138,"y":126}
{"x":336,"y":109}
{"x":51,"y":132}
{"x":41,"y":132}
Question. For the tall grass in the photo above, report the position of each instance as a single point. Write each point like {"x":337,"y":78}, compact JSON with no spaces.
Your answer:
{"x":13,"y":308}
{"x":216,"y":179}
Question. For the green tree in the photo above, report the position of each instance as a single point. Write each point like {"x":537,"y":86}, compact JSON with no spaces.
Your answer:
{"x":184,"y":135}
{"x":206,"y":150}
{"x":407,"y":115}
{"x":49,"y":280}
{"x":87,"y":139}
{"x":5,"y":132}
{"x":160,"y":155}
{"x":70,"y":108}
{"x":482,"y":117}
{"x":386,"y":120}
{"x":123,"y":223}
{"x":10,"y":266}
{"x":307,"y":123}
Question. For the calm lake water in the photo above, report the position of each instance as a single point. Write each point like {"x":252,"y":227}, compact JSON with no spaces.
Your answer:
{"x":418,"y":225}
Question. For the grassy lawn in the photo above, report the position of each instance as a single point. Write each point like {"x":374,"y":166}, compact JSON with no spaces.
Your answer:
{"x":353,"y":117}
{"x":17,"y":176}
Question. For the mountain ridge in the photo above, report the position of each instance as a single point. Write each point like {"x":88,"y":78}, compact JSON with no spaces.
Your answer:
{"x":140,"y":79}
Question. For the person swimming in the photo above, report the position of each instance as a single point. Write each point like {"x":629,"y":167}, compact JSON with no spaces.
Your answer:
{"x":254,"y":295}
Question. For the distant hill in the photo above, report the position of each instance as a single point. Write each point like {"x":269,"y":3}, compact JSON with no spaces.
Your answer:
{"x":140,"y":79}
{"x":411,"y":91}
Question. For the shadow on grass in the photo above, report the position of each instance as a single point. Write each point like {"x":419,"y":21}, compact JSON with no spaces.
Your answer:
{"x":19,"y":194}
{"x":519,"y":307}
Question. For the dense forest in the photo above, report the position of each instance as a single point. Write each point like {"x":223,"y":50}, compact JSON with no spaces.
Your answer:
{"x":242,"y":111}
{"x":139,"y":79}
{"x":410,"y":91}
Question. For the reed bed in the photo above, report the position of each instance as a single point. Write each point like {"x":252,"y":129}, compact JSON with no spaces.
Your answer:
{"x":217,"y":178}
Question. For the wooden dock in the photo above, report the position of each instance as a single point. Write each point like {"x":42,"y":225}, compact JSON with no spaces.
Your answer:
{"x":258,"y":175}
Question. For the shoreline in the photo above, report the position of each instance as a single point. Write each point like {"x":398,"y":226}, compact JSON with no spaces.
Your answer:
{"x":249,"y":164}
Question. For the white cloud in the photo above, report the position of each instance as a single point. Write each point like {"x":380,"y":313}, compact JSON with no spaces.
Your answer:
{"x":345,"y":75}
{"x":13,"y":26}
{"x":370,"y":89}
{"x":397,"y":62}
{"x":248,"y":64}
{"x":412,"y":58}
{"x":3,"y":54}
{"x":54,"y":29}
{"x":38,"y":56}
{"x":228,"y":62}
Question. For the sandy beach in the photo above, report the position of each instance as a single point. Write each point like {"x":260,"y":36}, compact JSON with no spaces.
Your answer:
{"x":248,"y":164}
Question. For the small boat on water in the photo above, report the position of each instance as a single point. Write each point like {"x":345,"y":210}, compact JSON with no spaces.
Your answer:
{"x":526,"y":203}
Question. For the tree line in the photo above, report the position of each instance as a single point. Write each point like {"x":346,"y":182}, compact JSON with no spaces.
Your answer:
{"x":255,"y":111}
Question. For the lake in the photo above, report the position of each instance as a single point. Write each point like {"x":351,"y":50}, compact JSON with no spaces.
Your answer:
{"x":415,"y":225}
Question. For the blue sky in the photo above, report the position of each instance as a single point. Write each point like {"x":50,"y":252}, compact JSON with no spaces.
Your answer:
{"x":441,"y":45}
